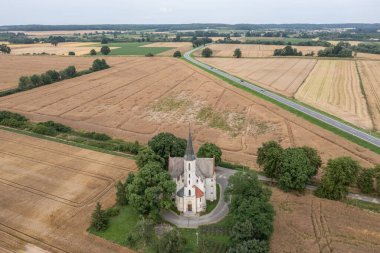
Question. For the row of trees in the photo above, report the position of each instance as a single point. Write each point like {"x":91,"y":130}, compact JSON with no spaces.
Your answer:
{"x":287,"y":51}
{"x":5,"y":49}
{"x":291,"y":167}
{"x":52,"y":76}
{"x":342,"y":49}
{"x":252,"y":213}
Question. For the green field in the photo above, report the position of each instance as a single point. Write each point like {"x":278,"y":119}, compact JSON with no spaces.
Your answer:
{"x":134,"y":48}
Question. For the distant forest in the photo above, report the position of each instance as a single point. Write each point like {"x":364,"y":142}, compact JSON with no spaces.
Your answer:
{"x":173,"y":27}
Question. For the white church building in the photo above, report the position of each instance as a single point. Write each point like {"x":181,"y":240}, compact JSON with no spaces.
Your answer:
{"x":195,"y":179}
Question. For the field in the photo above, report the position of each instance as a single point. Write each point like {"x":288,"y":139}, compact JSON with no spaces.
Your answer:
{"x":79,"y":48}
{"x":370,"y":74}
{"x":284,"y":76}
{"x":144,"y":96}
{"x":333,"y":86}
{"x":368,"y":56}
{"x":48,"y":191}
{"x":227,"y":50}
{"x":320,"y":225}
{"x":135,"y":48}
{"x":183,"y":47}
{"x":15,"y":66}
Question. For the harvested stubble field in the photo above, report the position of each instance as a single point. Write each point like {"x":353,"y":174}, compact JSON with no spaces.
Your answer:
{"x":183,"y":47}
{"x":333,"y":86}
{"x":144,"y":96}
{"x":251,"y":50}
{"x":370,"y":75}
{"x":48,"y":192}
{"x":284,"y":75}
{"x":79,"y":48}
{"x":15,"y":66}
{"x":313,"y":225}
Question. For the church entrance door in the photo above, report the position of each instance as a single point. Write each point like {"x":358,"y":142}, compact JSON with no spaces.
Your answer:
{"x":189,"y":207}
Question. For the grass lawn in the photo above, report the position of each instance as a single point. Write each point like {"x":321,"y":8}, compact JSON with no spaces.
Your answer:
{"x":134,"y":48}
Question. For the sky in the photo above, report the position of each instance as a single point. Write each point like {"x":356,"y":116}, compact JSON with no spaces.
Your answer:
{"x":50,"y":12}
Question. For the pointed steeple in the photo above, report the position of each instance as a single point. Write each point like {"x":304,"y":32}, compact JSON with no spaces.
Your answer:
{"x":189,"y":155}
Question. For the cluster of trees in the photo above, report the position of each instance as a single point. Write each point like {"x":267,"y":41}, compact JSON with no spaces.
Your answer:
{"x":252,"y":213}
{"x":372,"y":48}
{"x":200,"y":41}
{"x":55,"y":40}
{"x":342,"y":49}
{"x":5,"y":49}
{"x":207,"y":52}
{"x":177,"y":54}
{"x":52,"y":76}
{"x":265,"y":34}
{"x":291,"y":167}
{"x":278,"y":42}
{"x":287,"y":51}
{"x":343,"y":172}
{"x":105,"y":50}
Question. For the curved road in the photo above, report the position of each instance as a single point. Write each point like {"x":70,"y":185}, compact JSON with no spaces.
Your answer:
{"x":326,"y":119}
{"x":219,"y":212}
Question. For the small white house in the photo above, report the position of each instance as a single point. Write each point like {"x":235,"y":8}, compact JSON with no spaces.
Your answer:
{"x":195,"y":179}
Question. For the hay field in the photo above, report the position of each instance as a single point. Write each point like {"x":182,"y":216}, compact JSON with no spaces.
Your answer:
{"x":279,"y":75}
{"x":183,"y":47}
{"x":370,"y":74}
{"x":15,"y":66}
{"x":368,"y":56}
{"x":333,"y":86}
{"x":251,"y":50}
{"x":144,"y":96}
{"x":80,"y":48}
{"x":48,"y":191}
{"x":313,"y":225}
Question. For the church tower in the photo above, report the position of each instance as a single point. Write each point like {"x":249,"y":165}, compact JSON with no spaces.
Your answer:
{"x":189,"y":168}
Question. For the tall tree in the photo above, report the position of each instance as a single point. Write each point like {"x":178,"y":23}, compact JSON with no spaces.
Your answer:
{"x":105,"y":50}
{"x":237,"y":53}
{"x":207,"y":52}
{"x":146,"y":155}
{"x":99,"y":218}
{"x":167,"y":144}
{"x":210,"y":150}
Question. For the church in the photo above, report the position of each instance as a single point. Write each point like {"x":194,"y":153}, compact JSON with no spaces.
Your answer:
{"x":195,"y":179}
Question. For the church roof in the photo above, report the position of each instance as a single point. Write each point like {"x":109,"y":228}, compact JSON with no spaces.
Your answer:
{"x":198,"y":192}
{"x":181,"y":192}
{"x":189,"y":155}
{"x":204,"y":167}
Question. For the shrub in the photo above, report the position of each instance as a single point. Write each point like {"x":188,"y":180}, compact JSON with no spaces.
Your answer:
{"x":12,"y":123}
{"x":237,"y":53}
{"x":11,"y":115}
{"x":207,"y":52}
{"x":112,"y":212}
{"x":69,"y":72}
{"x":46,"y":79}
{"x":44,"y":130}
{"x":93,"y":52}
{"x":177,"y":54}
{"x":105,"y":50}
{"x":71,"y":53}
{"x":365,"y":181}
{"x":149,"y":55}
{"x":96,"y":136}
{"x":36,"y":80}
{"x":56,"y":126}
{"x":24,"y":82}
{"x":99,"y":65}
{"x":54,"y":75}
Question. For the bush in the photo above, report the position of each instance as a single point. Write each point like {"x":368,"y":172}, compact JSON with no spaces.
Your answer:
{"x":11,"y":115}
{"x":69,"y":72}
{"x":36,"y":80}
{"x":71,"y":53}
{"x":95,"y":136}
{"x":365,"y":181}
{"x":44,"y":130}
{"x":207,"y":52}
{"x":46,"y":79}
{"x":129,"y":147}
{"x":177,"y":54}
{"x":54,"y":75}
{"x":149,"y":55}
{"x":24,"y":82}
{"x":12,"y":123}
{"x":105,"y":50}
{"x":99,"y":65}
{"x":56,"y":126}
{"x":112,"y":212}
{"x":99,"y":218}
{"x":93,"y":52}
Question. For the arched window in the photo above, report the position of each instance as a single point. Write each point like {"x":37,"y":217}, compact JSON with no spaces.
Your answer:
{"x":189,"y":175}
{"x":189,"y":192}
{"x":189,"y":166}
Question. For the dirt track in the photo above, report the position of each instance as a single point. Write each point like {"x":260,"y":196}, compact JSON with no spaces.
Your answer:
{"x":48,"y":191}
{"x":144,"y":96}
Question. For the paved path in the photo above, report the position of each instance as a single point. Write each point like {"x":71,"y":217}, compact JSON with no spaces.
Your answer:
{"x":326,"y":119}
{"x":219,"y":212}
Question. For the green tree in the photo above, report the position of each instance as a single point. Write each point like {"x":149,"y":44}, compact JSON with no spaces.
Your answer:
{"x":296,"y":170}
{"x":105,"y":50}
{"x":36,"y":80}
{"x":142,"y":233}
{"x":54,"y":75}
{"x":209,"y":150}
{"x":269,"y":156}
{"x":5,"y":49}
{"x":99,"y":65}
{"x":314,"y":159}
{"x":104,"y":40}
{"x":69,"y":72}
{"x":172,"y":242}
{"x":251,"y":246}
{"x":71,"y":53}
{"x":24,"y":82}
{"x":237,"y":53}
{"x":177,"y":54}
{"x":122,"y":194}
{"x":151,"y":190}
{"x":339,"y":174}
{"x":207,"y":52}
{"x":99,"y":219}
{"x":167,"y":144}
{"x":147,"y":155}
{"x":365,"y":181}
{"x":93,"y":52}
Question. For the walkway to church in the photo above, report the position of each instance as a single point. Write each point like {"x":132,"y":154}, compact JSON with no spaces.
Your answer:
{"x":219,"y":212}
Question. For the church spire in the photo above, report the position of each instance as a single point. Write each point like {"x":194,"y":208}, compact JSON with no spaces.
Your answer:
{"x":189,"y":155}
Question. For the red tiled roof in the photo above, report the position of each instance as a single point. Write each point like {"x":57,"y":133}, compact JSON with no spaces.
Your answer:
{"x":198,"y":192}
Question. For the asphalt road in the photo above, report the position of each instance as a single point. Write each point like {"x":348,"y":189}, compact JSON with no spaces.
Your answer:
{"x":219,"y":212}
{"x":326,"y":119}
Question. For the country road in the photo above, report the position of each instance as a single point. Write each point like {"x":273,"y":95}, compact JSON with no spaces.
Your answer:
{"x":312,"y":113}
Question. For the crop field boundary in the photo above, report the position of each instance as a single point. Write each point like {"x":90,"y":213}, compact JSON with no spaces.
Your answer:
{"x":324,"y":125}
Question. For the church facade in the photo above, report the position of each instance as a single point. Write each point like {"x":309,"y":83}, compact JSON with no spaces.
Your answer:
{"x":195,"y":179}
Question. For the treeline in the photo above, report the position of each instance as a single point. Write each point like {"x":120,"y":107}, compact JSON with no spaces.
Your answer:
{"x":278,"y":42}
{"x":372,"y":48}
{"x":342,"y":49}
{"x":63,"y":132}
{"x":287,"y":51}
{"x":53,"y":76}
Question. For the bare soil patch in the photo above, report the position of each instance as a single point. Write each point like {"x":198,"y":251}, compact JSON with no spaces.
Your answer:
{"x":15,"y":66}
{"x":333,"y":86}
{"x":144,"y":96}
{"x":284,"y":76}
{"x":48,"y":192}
{"x":309,"y":224}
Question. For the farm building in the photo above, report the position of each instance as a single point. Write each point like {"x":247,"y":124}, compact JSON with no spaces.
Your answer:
{"x":195,"y":179}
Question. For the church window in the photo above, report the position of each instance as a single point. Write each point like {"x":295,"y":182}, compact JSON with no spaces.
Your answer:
{"x":197,"y":180}
{"x":189,"y":181}
{"x":200,"y":200}
{"x":189,"y":192}
{"x":189,"y":175}
{"x":189,"y":166}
